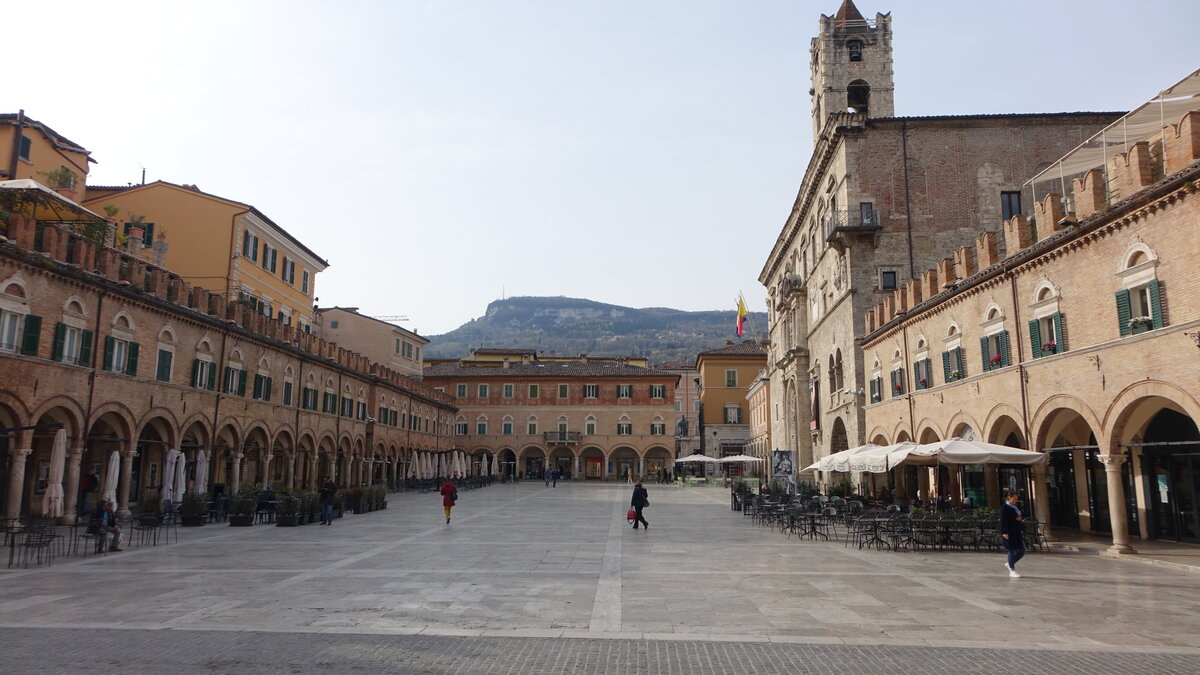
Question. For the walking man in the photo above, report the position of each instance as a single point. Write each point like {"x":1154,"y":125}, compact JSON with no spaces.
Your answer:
{"x":555,"y":477}
{"x":546,"y":476}
{"x":639,"y":502}
{"x":328,"y":492}
{"x":1012,"y":530}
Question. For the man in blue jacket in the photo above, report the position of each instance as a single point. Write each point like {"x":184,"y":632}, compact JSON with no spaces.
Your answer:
{"x":1012,"y":531}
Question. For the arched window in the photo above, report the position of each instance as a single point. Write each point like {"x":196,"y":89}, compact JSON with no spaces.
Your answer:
{"x":1139,"y":302}
{"x":858,"y":95}
{"x":839,"y":373}
{"x":854,"y":47}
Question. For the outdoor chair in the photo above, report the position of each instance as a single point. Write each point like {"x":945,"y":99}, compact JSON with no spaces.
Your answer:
{"x":898,"y":532}
{"x":265,"y":511}
{"x":36,"y":543}
{"x":925,"y":532}
{"x":93,"y":537}
{"x":1035,"y":537}
{"x":145,"y":530}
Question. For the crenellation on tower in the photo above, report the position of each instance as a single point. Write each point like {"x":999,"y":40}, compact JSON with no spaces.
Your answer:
{"x":851,"y":63}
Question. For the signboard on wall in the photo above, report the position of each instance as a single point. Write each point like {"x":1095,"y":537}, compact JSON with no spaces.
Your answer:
{"x":783,"y":464}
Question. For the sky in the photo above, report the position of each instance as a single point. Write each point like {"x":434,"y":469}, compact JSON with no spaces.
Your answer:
{"x":443,"y":154}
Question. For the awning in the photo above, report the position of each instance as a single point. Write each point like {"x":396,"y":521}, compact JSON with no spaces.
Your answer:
{"x":960,"y":451}
{"x":839,"y":461}
{"x":59,"y":207}
{"x":1142,"y":124}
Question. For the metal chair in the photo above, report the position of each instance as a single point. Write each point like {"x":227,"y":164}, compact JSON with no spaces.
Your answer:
{"x":36,"y":542}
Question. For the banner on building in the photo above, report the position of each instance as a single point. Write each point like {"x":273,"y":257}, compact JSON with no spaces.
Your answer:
{"x":814,"y":408}
{"x":783,"y":464}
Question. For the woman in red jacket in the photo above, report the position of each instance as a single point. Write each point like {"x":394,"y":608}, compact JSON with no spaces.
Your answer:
{"x":449,"y":495}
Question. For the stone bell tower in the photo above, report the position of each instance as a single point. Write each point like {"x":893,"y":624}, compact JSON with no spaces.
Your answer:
{"x":851,"y":61}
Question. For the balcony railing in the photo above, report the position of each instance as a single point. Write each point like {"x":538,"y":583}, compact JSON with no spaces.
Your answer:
{"x":561,"y":437}
{"x":854,"y":222}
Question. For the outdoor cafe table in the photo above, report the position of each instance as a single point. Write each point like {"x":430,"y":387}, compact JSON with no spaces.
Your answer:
{"x":870,"y":525}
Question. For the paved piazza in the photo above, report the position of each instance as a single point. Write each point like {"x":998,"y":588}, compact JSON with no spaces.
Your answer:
{"x":530,"y":579}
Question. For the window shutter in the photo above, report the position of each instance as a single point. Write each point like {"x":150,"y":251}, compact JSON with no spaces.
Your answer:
{"x":1006,"y":354}
{"x":983,"y":353}
{"x":241,"y":383}
{"x":32,"y":335}
{"x":1123,"y":316}
{"x":962,"y":362}
{"x":267,"y":390}
{"x":131,"y":361}
{"x":916,"y":374}
{"x":212,"y":378}
{"x":258,"y":385}
{"x":85,"y":348}
{"x":1035,"y":339}
{"x":872,"y":390}
{"x":1060,"y":335}
{"x":60,"y":335}
{"x":946,"y":366}
{"x":928,"y":373}
{"x":195,"y":372}
{"x":1156,"y":314}
{"x":109,"y":343}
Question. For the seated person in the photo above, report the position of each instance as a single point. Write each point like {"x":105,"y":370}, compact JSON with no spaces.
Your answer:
{"x":108,"y":524}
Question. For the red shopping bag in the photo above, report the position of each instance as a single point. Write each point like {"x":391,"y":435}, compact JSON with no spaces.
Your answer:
{"x":631,"y":516}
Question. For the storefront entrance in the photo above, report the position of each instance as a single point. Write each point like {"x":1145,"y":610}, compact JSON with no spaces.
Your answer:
{"x":1171,"y":471}
{"x":1060,"y":479}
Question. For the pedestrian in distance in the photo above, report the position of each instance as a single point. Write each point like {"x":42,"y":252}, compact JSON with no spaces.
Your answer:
{"x":554,"y":477}
{"x":109,"y":526}
{"x":449,"y":496}
{"x":640,"y":501}
{"x":547,"y":475}
{"x":87,"y":486}
{"x":327,"y":493}
{"x":1012,"y":531}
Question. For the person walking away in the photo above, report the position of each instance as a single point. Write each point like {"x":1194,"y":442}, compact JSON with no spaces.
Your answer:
{"x":87,"y":486}
{"x":1012,"y":530}
{"x":328,"y":493}
{"x":449,"y":496}
{"x":554,"y":476}
{"x":546,"y":476}
{"x":109,"y":524}
{"x":639,"y":502}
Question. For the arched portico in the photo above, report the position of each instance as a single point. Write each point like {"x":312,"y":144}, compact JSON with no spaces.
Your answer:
{"x":531,"y":461}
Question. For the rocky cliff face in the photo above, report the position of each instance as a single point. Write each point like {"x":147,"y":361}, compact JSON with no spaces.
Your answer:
{"x":578,"y":326}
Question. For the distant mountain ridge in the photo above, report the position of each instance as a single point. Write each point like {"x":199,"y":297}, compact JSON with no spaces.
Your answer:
{"x":570,"y":326}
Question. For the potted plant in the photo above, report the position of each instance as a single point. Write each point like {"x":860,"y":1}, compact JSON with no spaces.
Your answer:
{"x":1050,"y":347}
{"x":381,"y":496}
{"x":955,"y":375}
{"x":358,"y":500}
{"x":287,"y":510}
{"x":242,"y":507}
{"x":995,"y":360}
{"x":339,"y":504}
{"x":193,"y":509}
{"x":149,"y":508}
{"x":312,"y":505}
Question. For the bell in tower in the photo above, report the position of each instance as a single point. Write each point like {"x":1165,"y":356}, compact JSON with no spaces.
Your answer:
{"x":851,"y":61}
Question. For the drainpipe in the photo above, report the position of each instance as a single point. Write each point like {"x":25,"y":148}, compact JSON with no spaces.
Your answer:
{"x":220,"y":377}
{"x":232,"y":253}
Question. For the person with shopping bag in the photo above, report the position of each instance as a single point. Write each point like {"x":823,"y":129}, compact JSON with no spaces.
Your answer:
{"x":639,"y":502}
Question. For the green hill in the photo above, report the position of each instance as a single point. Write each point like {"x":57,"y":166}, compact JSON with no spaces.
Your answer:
{"x":570,"y":326}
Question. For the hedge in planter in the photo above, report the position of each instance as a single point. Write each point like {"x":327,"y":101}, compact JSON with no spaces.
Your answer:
{"x":194,"y":508}
{"x":287,"y":510}
{"x":242,"y":507}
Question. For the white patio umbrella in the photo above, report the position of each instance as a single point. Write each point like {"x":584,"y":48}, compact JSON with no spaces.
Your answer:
{"x":739,"y":458}
{"x":696,"y":458}
{"x":495,"y":464}
{"x":426,"y":465}
{"x":880,"y":458}
{"x":180,"y":477}
{"x":201,"y":471}
{"x":168,"y":483}
{"x":111,"y":475}
{"x":838,"y":461}
{"x":961,"y":451}
{"x":52,"y":499}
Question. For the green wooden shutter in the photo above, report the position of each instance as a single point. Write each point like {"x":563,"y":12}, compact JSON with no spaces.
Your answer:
{"x":258,"y":385}
{"x":928,"y":373}
{"x":1035,"y":339}
{"x":60,"y":336}
{"x":195,"y":372}
{"x":241,"y":383}
{"x":962,"y":361}
{"x":212,"y":377}
{"x":226,"y":377}
{"x":85,"y":348}
{"x":267,"y":389}
{"x":1060,"y":335}
{"x":131,"y":362}
{"x":1156,"y":314}
{"x":946,"y":366}
{"x":916,"y":375}
{"x":983,"y":353}
{"x":32,"y":335}
{"x":109,"y":343}
{"x":1123,"y":315}
{"x":1005,"y":352}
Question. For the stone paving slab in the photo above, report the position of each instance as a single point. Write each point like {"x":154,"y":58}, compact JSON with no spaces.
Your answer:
{"x":561,"y":565}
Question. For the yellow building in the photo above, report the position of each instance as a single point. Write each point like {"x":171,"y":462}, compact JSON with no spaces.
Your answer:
{"x":395,"y":347}
{"x":38,"y":152}
{"x":225,"y":246}
{"x":725,"y":376}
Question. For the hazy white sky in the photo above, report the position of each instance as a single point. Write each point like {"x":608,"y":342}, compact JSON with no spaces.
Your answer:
{"x":439,"y":153}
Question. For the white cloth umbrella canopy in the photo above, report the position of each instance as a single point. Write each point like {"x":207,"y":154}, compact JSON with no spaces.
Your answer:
{"x":201,"y":472}
{"x":495,"y":464}
{"x":180,"y":477}
{"x":838,"y":461}
{"x":960,"y":451}
{"x":739,"y":458}
{"x":168,"y":478}
{"x":696,"y":458}
{"x":426,"y":465}
{"x":880,"y":459}
{"x":111,"y":475}
{"x":52,"y":499}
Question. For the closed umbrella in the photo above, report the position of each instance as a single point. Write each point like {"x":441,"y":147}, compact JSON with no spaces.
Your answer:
{"x":168,"y":484}
{"x":180,"y":477}
{"x":111,"y":476}
{"x":52,"y":500}
{"x":201,"y":472}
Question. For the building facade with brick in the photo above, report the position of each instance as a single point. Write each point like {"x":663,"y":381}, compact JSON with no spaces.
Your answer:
{"x":687,"y":406}
{"x":591,"y":419}
{"x":130,"y":357}
{"x":1073,"y":333}
{"x":37,"y":152}
{"x":882,"y":197}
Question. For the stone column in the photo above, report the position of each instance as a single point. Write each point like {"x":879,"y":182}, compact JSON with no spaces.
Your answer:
{"x":1116,"y":504}
{"x":953,"y":487}
{"x":236,"y":479}
{"x":266,"y":469}
{"x":291,"y":470}
{"x":16,"y":481}
{"x":126,"y":477}
{"x":71,"y":488}
{"x":575,"y":470}
{"x":1041,"y":498}
{"x":923,"y":485}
